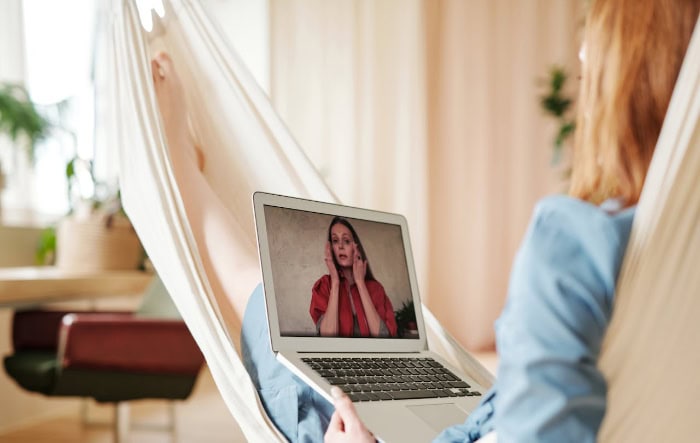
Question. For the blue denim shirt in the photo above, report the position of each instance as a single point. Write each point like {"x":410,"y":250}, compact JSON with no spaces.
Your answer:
{"x":300,"y":413}
{"x":548,"y":387}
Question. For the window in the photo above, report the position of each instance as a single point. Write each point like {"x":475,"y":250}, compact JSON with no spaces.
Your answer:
{"x":59,"y":40}
{"x":57,"y":37}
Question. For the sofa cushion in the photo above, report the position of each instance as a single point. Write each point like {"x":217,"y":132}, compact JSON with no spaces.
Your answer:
{"x":39,"y":372}
{"x":33,"y":370}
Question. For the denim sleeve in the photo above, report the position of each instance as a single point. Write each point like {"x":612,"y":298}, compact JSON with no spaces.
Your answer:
{"x":299,"y":412}
{"x":478,"y":424}
{"x":550,"y":332}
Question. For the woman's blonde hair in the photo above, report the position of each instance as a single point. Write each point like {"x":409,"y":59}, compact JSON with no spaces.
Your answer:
{"x":633,"y":52}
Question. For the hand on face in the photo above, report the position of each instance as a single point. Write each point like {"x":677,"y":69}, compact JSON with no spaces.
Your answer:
{"x":345,"y":425}
{"x":359,"y":267}
{"x":332,"y":270}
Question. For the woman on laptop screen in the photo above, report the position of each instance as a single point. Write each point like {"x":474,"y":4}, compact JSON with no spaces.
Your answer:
{"x":349,"y":301}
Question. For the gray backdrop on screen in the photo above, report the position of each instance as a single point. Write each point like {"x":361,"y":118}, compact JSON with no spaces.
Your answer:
{"x":297,"y":246}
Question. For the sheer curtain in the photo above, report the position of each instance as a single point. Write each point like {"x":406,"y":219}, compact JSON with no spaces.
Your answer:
{"x":348,"y":77}
{"x":430,"y":108}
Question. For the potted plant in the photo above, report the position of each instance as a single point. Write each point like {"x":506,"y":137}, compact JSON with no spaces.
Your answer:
{"x":96,"y":234}
{"x":557,"y":104}
{"x":406,"y":320}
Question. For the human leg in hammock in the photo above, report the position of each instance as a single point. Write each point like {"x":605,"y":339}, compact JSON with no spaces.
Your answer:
{"x":297,"y":410}
{"x":230,"y":273}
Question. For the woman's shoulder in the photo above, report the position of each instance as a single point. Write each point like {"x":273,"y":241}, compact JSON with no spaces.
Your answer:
{"x":572,"y":251}
{"x":323,"y":282}
{"x":564,"y":227}
{"x":581,"y":220}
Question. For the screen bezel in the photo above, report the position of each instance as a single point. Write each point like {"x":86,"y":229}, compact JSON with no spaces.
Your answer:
{"x":331,"y":344}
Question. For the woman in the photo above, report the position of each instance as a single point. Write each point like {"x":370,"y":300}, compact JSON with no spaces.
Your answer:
{"x":348,"y":301}
{"x":561,"y":291}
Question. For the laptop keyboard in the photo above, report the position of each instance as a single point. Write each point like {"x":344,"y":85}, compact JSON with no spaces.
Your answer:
{"x":375,"y":379}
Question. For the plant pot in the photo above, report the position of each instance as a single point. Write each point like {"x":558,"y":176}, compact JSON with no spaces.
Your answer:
{"x":97,"y":242}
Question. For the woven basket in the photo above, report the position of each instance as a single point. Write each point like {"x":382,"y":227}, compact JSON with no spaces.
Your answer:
{"x":97,"y":242}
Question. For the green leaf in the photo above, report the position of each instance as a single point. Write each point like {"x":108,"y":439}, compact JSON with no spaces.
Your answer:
{"x":46,"y":247}
{"x":554,"y":102}
{"x":70,"y":169}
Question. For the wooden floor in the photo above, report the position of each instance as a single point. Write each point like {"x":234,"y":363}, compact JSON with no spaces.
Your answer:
{"x":202,"y":418}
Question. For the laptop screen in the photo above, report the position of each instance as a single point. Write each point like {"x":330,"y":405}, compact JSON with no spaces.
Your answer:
{"x":317,"y":261}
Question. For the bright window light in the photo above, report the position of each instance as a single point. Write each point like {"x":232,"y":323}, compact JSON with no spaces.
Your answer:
{"x":59,"y":40}
{"x":145,"y":7}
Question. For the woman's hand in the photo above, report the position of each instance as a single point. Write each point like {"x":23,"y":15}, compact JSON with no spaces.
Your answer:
{"x":359,"y":268}
{"x":332,"y":270}
{"x":345,"y":425}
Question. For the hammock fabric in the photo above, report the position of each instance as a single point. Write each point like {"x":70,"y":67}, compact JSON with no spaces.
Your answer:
{"x":247,"y":148}
{"x":650,"y":353}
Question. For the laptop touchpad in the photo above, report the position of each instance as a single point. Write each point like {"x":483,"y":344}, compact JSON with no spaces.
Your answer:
{"x":439,"y":416}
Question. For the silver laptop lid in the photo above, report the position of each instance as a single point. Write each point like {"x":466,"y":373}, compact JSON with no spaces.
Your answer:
{"x":292,"y":236}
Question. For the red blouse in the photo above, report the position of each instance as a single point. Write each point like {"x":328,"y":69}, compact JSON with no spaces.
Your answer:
{"x":321,"y":291}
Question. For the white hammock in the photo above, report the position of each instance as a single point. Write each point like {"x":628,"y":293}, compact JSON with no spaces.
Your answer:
{"x":650,"y":352}
{"x":247,"y":148}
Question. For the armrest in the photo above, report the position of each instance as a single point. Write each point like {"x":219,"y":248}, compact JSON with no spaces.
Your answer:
{"x":132,"y":344}
{"x":37,"y":329}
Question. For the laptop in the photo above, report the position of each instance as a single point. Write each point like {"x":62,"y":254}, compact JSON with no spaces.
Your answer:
{"x":321,"y":330}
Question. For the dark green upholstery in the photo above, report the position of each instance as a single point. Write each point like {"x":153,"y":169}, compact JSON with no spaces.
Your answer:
{"x":39,"y":371}
{"x":33,"y":370}
{"x":124,"y":386}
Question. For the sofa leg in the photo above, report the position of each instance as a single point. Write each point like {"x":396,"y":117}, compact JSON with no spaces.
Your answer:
{"x":121,"y":422}
{"x":85,"y":412}
{"x":172,"y":418}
